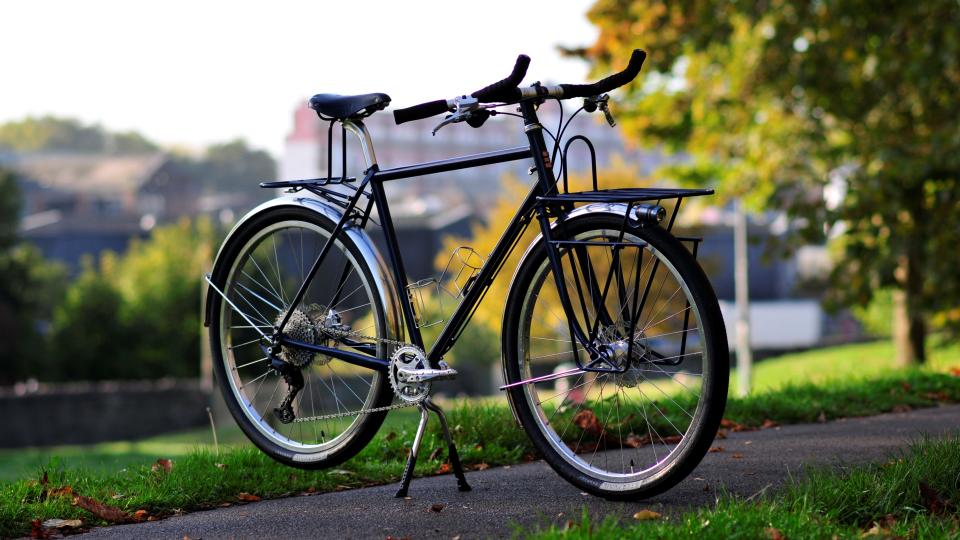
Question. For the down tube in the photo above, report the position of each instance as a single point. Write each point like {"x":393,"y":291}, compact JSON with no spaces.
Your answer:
{"x":494,"y":264}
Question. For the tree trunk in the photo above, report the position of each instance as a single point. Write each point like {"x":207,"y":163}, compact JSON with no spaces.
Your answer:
{"x":909,"y":325}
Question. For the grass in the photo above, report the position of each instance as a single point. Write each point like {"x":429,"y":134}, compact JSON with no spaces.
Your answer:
{"x":911,"y":496}
{"x":854,"y":380}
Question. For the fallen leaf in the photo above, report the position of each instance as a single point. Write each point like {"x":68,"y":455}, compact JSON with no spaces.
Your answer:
{"x":37,"y":530}
{"x":481,"y":466}
{"x":102,"y":511}
{"x":635,"y":441}
{"x":437,"y":507}
{"x":646,"y":515}
{"x":736,"y":455}
{"x":390,"y":436}
{"x":774,"y":534}
{"x":902,"y":408}
{"x":706,"y":488}
{"x":62,"y":491}
{"x":955,"y":371}
{"x":715,"y":449}
{"x":444,"y":468}
{"x":247,"y":497}
{"x":721,"y":434}
{"x":588,"y":421}
{"x":767,"y":424}
{"x":822,"y":417}
{"x":932,"y":499}
{"x":162,"y":464}
{"x":62,"y":523}
{"x":141,"y":515}
{"x":225,"y":505}
{"x":905,"y":385}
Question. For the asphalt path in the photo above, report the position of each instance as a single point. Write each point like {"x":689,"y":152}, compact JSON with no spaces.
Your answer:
{"x":533,"y":495}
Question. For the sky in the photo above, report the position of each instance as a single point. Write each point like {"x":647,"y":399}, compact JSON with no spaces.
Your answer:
{"x":190,"y":73}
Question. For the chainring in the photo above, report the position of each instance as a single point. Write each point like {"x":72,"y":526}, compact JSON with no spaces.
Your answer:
{"x":408,"y":357}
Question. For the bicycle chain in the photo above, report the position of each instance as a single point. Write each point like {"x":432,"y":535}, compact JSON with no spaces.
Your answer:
{"x":340,"y":334}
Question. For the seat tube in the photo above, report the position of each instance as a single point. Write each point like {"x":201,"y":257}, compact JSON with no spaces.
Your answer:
{"x":396,"y":261}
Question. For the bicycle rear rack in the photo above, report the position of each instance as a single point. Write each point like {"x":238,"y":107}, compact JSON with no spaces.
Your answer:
{"x":324,"y":187}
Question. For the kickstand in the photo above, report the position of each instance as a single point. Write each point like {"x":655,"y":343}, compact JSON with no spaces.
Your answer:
{"x":454,"y":457}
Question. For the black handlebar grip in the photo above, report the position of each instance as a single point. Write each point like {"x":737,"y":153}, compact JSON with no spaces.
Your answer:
{"x":423,"y":110}
{"x":505,"y":90}
{"x":610,"y":83}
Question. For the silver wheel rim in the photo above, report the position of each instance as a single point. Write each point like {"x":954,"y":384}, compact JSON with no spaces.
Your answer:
{"x":263,"y":293}
{"x":663,"y":455}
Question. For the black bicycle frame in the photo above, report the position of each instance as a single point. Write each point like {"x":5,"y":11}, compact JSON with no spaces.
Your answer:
{"x":539,"y":203}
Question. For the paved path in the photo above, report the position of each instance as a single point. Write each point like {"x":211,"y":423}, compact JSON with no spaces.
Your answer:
{"x":533,"y":494}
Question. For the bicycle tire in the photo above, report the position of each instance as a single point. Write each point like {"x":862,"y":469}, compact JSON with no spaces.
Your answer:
{"x":265,"y":432}
{"x":570,"y":460}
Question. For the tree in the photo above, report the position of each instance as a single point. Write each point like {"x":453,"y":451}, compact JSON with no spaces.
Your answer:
{"x":29,"y":288}
{"x":777,"y":100}
{"x":50,"y":133}
{"x":233,"y":166}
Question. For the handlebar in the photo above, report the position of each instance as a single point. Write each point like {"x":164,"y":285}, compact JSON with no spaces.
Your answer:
{"x":508,"y":91}
{"x":610,"y":83}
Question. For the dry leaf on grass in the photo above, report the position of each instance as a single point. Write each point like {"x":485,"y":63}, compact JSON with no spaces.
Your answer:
{"x":105,"y":512}
{"x":774,"y":534}
{"x":768,"y":423}
{"x":646,"y":515}
{"x":162,"y":464}
{"x":63,"y":491}
{"x":62,"y":523}
{"x":37,"y":530}
{"x":481,"y":466}
{"x":444,"y":468}
{"x":247,"y":497}
{"x":141,"y":515}
{"x":588,"y":421}
{"x":932,"y":499}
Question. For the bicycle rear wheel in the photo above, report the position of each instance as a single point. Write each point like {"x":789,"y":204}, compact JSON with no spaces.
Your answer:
{"x":638,"y":431}
{"x":260,"y":270}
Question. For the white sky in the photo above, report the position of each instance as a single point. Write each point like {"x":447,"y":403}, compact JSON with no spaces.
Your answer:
{"x":195,"y":72}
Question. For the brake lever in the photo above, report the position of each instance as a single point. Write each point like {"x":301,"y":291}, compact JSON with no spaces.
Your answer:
{"x":591,"y":104}
{"x":465,"y":105}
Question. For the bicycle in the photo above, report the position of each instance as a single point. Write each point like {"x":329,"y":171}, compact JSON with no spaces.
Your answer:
{"x":614,"y":351}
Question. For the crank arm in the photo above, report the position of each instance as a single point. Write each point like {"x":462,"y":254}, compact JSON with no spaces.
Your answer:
{"x":425,"y":375}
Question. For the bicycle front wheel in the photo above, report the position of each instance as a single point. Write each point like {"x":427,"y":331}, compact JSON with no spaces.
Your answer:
{"x":261,"y":268}
{"x":640,"y":427}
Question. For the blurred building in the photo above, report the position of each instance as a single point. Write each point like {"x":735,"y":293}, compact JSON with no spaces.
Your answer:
{"x":77,"y":204}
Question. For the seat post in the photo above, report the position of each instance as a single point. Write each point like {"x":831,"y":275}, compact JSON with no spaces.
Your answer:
{"x":366,"y":144}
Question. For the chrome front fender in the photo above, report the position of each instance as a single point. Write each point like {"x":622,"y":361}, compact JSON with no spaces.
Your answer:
{"x":386,"y":288}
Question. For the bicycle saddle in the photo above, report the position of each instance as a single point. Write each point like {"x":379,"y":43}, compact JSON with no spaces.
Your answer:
{"x":340,"y":107}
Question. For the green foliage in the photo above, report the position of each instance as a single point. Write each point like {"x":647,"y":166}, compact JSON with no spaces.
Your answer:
{"x":768,"y":98}
{"x":136,"y":316}
{"x":50,"y":133}
{"x":29,"y":288}
{"x":233,"y":166}
{"x":89,"y":340}
{"x":9,"y":208}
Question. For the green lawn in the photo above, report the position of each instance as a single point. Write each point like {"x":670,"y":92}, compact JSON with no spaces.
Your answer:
{"x":911,"y":496}
{"x":845,"y":363}
{"x":853,"y":380}
{"x":839,"y":363}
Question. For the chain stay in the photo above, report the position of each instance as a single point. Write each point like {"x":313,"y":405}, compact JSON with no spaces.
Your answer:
{"x":340,"y":334}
